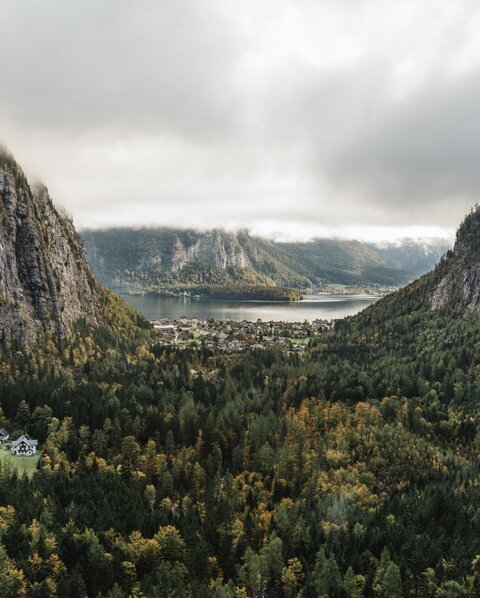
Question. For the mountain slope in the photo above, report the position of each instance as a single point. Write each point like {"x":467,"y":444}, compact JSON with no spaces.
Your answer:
{"x":155,"y":258}
{"x":413,"y":256}
{"x":46,"y":284}
{"x":458,"y":286}
{"x":452,"y":287}
{"x":343,"y":262}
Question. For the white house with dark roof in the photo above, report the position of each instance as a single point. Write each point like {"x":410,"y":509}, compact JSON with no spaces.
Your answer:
{"x":24,"y":446}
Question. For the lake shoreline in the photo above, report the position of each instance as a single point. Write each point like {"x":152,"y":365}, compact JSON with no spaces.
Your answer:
{"x":219,"y":292}
{"x":312,"y":307}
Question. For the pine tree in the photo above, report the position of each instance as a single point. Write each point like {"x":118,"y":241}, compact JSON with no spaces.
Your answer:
{"x":388,"y":582}
{"x":354,"y":584}
{"x":326,"y":576}
{"x":23,"y":413}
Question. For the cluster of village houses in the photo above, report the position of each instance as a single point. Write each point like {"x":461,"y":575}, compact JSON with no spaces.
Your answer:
{"x":22,"y":446}
{"x":374,"y":290}
{"x":233,"y":336}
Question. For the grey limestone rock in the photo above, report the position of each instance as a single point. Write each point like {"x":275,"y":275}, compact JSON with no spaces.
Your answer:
{"x":457,"y":286}
{"x":45,"y":281}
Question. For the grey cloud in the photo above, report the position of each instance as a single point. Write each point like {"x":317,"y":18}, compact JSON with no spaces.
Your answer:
{"x":188,"y":109}
{"x":424,"y":149}
{"x":157,"y":66}
{"x":390,"y":156}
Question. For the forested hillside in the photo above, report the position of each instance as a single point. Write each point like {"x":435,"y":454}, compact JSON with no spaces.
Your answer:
{"x":349,"y":471}
{"x":156,"y":259}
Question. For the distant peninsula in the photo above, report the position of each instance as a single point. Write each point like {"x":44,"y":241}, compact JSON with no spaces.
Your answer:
{"x":232,"y":292}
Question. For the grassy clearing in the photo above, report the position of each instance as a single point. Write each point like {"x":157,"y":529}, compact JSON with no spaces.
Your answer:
{"x":300,"y":341}
{"x":23,"y":465}
{"x":291,"y":339}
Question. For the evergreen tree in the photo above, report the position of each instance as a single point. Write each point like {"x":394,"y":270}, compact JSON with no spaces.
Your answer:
{"x":388,"y":582}
{"x":326,"y":576}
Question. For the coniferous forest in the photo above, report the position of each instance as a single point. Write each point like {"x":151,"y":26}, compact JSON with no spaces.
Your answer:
{"x":294,"y":411}
{"x":352,"y":470}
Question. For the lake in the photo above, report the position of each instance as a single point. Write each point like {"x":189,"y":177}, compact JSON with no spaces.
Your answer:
{"x":324,"y":306}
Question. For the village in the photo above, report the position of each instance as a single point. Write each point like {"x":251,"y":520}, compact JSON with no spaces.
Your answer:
{"x":233,"y":336}
{"x":372,"y":290}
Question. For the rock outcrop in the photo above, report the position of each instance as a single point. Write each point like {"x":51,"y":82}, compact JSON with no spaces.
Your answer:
{"x":216,"y":249}
{"x":45,"y":281}
{"x":457,"y":277}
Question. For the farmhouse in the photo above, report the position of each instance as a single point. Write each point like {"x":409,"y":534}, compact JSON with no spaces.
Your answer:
{"x":4,"y":435}
{"x":24,"y":446}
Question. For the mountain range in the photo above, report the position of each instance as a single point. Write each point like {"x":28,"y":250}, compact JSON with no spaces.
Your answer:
{"x":154,"y":259}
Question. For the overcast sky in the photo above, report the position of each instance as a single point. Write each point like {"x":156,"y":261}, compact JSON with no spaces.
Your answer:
{"x":292,"y":118}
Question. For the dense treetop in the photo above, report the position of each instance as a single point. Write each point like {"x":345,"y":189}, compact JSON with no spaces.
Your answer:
{"x":350,"y":471}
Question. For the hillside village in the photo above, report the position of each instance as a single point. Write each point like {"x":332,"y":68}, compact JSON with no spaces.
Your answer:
{"x":233,"y":336}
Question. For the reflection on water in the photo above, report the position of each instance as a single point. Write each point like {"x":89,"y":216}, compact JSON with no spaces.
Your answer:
{"x":312,"y":307}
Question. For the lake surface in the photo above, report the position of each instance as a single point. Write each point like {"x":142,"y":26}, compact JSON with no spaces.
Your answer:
{"x":323,"y":306}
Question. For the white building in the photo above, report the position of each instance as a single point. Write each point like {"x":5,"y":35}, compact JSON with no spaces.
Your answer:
{"x":24,"y":446}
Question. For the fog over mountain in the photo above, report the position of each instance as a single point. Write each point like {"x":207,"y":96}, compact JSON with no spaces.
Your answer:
{"x":154,"y":259}
{"x":293,"y":119}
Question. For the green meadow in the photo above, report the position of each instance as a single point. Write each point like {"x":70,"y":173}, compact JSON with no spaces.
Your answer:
{"x":23,"y":465}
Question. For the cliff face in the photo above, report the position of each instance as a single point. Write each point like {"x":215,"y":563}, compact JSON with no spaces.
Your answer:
{"x":45,"y":281}
{"x":457,"y":285}
{"x":215,"y":249}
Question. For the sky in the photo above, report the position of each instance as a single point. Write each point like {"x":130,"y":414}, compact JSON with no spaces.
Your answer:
{"x":292,"y":118}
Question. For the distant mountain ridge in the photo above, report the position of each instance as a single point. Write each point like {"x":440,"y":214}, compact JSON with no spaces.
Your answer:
{"x":414,"y":256}
{"x":155,"y":258}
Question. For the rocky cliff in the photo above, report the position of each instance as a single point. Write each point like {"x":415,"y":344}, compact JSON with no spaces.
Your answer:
{"x":457,"y":285}
{"x":45,"y":281}
{"x":216,"y":249}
